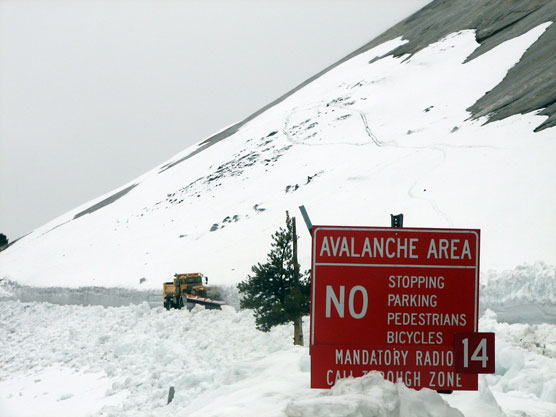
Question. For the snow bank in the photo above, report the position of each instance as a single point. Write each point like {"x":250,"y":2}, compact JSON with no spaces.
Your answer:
{"x":528,"y":282}
{"x":524,"y":294}
{"x":121,"y":361}
{"x":102,"y":296}
{"x":371,"y":395}
{"x":84,"y":296}
{"x":525,"y":357}
{"x":140,"y":351}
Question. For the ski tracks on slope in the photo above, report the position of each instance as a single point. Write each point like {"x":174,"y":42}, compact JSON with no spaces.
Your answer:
{"x":412,"y":191}
{"x":378,"y":143}
{"x":286,"y":128}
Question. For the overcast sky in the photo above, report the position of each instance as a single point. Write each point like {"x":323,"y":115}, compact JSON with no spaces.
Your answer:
{"x":95,"y":93}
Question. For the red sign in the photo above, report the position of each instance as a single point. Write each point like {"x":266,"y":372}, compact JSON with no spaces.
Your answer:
{"x":392,"y":300}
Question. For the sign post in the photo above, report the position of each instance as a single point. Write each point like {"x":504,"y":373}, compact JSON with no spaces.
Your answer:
{"x":395,"y":301}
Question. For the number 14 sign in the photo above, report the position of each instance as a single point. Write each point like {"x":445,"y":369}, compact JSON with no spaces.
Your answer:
{"x":474,"y":353}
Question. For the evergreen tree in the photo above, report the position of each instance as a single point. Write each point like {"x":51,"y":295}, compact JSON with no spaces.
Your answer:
{"x":276,"y":291}
{"x":3,"y":240}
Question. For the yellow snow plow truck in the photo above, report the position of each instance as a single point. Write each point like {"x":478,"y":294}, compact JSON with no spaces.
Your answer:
{"x":187,"y":290}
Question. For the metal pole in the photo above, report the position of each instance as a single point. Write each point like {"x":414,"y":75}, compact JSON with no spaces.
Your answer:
{"x":171,"y":392}
{"x":295,"y":264}
{"x":396,"y":220}
{"x":306,"y":219}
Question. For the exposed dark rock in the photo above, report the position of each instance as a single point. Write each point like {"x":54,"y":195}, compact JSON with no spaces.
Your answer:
{"x":105,"y":202}
{"x":530,"y":85}
{"x":311,"y":177}
{"x":292,"y":188}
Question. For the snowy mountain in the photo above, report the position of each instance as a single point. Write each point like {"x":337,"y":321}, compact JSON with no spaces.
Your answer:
{"x":448,"y":117}
{"x":410,"y":124}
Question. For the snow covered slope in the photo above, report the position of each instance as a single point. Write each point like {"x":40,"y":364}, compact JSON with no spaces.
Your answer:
{"x":376,"y":134}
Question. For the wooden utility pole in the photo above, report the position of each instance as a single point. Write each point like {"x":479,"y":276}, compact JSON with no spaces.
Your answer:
{"x":298,"y":322}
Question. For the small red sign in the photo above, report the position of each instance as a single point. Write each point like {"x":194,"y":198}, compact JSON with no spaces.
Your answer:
{"x":474,"y":353}
{"x":392,"y":300}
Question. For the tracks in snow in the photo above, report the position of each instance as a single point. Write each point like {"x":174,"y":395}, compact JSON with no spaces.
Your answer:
{"x":412,"y":191}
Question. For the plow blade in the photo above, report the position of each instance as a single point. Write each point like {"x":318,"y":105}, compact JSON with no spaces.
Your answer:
{"x":193,"y":300}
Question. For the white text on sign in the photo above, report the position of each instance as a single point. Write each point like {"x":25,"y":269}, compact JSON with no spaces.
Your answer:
{"x":380,"y":247}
